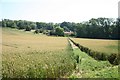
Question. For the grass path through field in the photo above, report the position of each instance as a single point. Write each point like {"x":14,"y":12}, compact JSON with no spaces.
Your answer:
{"x":72,"y":45}
{"x":77,"y":71}
{"x":91,"y":68}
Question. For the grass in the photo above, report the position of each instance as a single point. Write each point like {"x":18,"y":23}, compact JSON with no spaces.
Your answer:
{"x":100,"y":45}
{"x":90,"y":68}
{"x":28,"y":55}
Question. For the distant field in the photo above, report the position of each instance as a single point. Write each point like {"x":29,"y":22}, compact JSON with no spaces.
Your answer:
{"x":26,"y":55}
{"x":107,"y":46}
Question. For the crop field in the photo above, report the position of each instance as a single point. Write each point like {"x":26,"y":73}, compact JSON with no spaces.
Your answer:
{"x":106,"y":46}
{"x":28,"y":55}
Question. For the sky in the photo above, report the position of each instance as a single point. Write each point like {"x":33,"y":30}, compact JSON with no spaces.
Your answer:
{"x":58,"y":10}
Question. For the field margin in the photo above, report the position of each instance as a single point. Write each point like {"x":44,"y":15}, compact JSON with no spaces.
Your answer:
{"x":113,"y":58}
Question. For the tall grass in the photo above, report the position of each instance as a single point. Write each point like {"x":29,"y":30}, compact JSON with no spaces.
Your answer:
{"x":35,"y":56}
{"x":37,"y":64}
{"x":91,"y":68}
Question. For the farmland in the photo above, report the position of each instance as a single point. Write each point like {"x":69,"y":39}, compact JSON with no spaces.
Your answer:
{"x":88,"y":67}
{"x":29,"y":55}
{"x":100,"y":45}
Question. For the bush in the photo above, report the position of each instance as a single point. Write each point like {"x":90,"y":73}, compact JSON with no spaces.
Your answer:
{"x":59,"y":31}
{"x":45,"y":32}
{"x":117,"y":60}
{"x":28,"y":28}
{"x":103,"y":56}
{"x":36,"y":31}
{"x":41,"y":31}
{"x":98,"y":56}
{"x":111,"y":58}
{"x":52,"y":32}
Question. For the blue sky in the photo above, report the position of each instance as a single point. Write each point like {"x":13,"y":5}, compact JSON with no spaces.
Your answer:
{"x":58,"y":10}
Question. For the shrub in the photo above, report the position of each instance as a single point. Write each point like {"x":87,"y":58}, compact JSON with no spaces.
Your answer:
{"x":41,"y":31}
{"x":36,"y":31}
{"x":52,"y":32}
{"x":103,"y":56}
{"x":111,"y":58}
{"x":28,"y":28}
{"x":98,"y":56}
{"x":117,"y":60}
{"x":86,"y":49}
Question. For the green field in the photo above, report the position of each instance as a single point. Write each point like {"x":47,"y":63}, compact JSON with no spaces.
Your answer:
{"x":90,"y":68}
{"x":29,"y":55}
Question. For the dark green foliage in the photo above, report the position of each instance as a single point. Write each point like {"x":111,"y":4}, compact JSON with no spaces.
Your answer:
{"x":45,"y":32}
{"x":103,"y":56}
{"x":66,"y":29}
{"x":117,"y":60}
{"x":33,"y":26}
{"x":36,"y":31}
{"x":52,"y":32}
{"x":105,"y":28}
{"x":99,"y":56}
{"x":59,"y":31}
{"x":41,"y":30}
{"x":0,"y":23}
{"x":28,"y":28}
{"x":112,"y":58}
{"x":100,"y":28}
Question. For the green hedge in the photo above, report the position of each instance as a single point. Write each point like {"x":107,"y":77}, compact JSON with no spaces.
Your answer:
{"x":113,"y":58}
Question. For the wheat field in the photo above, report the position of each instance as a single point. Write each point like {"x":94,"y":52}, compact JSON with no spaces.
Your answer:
{"x":28,"y":55}
{"x":106,"y":46}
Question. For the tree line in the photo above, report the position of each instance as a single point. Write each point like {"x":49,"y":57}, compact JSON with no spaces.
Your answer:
{"x":100,"y":28}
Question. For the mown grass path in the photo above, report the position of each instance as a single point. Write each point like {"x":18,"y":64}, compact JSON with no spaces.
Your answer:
{"x":91,"y":68}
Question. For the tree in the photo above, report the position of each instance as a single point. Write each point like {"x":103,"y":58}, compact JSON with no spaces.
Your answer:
{"x":52,"y":32}
{"x":49,"y":26}
{"x":59,"y":31}
{"x":28,"y":28}
{"x":0,"y":23}
{"x":36,"y":31}
{"x":20,"y":24}
{"x":69,"y":25}
{"x":33,"y":25}
{"x":66,"y":29}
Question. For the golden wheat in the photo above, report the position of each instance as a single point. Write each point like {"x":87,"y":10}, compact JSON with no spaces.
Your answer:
{"x":107,"y":46}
